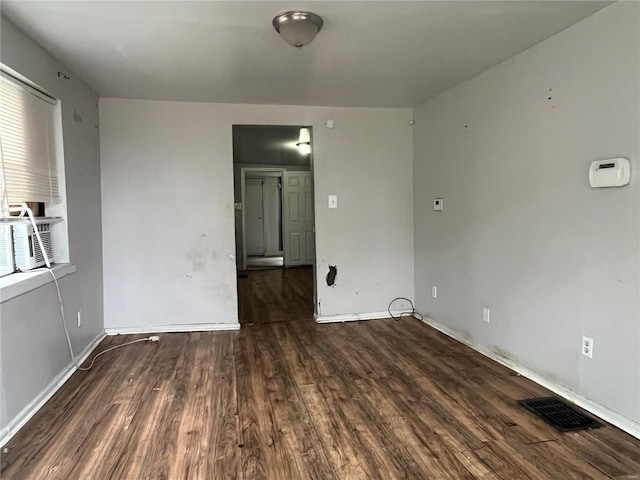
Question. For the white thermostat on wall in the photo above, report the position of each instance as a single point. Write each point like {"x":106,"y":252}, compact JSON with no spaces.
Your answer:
{"x":613,"y":172}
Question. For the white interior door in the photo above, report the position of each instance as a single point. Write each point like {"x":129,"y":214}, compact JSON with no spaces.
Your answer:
{"x":299,"y":241}
{"x":271,"y":209}
{"x":254,"y":217}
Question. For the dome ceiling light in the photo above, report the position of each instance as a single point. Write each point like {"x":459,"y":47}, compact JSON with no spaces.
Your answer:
{"x":298,"y":28}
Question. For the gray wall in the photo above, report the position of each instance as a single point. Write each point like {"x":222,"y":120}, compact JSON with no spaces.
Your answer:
{"x":33,"y":349}
{"x":174,"y":263}
{"x":522,"y":232}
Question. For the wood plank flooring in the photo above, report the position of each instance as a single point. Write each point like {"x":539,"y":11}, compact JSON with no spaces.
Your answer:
{"x":275,"y":295}
{"x":288,"y":399}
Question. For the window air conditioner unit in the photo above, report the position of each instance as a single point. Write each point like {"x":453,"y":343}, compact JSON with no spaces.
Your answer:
{"x":28,"y":254}
{"x":7,"y":265}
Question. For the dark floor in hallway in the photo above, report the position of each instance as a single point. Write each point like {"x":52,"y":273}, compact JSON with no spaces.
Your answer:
{"x":275,"y":295}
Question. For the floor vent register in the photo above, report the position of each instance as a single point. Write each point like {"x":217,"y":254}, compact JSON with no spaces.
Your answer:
{"x":559,"y":414}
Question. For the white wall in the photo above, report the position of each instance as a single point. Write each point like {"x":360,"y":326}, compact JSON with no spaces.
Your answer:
{"x":522,"y":231}
{"x":33,"y":350}
{"x":169,"y":264}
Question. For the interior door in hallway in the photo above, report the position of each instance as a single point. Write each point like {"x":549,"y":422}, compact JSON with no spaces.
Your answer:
{"x":271,"y":207}
{"x":254,"y":216}
{"x":299,"y":238}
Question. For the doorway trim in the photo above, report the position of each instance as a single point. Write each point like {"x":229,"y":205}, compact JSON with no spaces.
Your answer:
{"x":243,"y":175}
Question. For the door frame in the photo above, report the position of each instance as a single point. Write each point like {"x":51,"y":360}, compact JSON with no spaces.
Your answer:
{"x":275,"y":172}
{"x":311,"y":127}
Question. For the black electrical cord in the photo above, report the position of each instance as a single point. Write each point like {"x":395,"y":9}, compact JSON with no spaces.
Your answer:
{"x":408,"y":313}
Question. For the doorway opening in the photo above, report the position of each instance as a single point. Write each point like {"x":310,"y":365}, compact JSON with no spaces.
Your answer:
{"x":274,"y":221}
{"x":263,"y":218}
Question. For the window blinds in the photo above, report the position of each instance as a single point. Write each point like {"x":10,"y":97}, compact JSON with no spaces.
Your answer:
{"x":29,"y":170}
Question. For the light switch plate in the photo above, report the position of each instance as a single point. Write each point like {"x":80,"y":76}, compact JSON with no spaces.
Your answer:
{"x":333,"y":201}
{"x":438,"y":203}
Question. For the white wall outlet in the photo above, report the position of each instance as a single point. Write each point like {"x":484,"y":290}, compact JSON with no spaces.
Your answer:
{"x":486,"y":314}
{"x":333,"y":201}
{"x":587,"y":347}
{"x":79,"y":317}
{"x":434,"y":292}
{"x":438,"y":204}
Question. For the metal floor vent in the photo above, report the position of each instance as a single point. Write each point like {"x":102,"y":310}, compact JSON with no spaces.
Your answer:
{"x":559,"y":414}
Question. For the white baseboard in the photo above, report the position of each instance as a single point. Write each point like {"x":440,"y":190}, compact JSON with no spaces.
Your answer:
{"x":36,"y":404}
{"x":354,"y":317}
{"x":191,"y":327}
{"x":614,"y":418}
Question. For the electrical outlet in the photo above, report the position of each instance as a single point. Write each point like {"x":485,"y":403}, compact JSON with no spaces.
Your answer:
{"x":434,"y":292}
{"x":587,"y":347}
{"x":79,"y":317}
{"x":486,"y":314}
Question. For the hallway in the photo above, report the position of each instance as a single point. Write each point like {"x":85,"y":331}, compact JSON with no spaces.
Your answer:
{"x":276,"y":295}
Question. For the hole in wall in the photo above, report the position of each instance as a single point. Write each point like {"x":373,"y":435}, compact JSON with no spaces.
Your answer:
{"x":331,"y":276}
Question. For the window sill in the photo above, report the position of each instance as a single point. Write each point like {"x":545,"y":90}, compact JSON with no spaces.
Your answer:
{"x":17,"y":284}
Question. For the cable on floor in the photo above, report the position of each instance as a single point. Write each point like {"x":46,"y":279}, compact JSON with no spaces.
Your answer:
{"x":408,"y":313}
{"x":27,"y":211}
{"x":147,"y":339}
{"x":66,"y":331}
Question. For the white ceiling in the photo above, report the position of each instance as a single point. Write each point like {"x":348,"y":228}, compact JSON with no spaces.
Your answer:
{"x":369,"y":53}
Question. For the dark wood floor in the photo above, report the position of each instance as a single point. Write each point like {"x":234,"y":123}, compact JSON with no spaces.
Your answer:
{"x":275,"y":295}
{"x":289,"y":399}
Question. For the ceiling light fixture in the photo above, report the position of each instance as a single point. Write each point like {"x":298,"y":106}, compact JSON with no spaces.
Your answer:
{"x":298,"y":28}
{"x":304,"y":142}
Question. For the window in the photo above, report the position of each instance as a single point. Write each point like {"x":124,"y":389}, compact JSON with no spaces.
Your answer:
{"x":30,"y":147}
{"x":31,"y":168}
